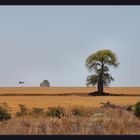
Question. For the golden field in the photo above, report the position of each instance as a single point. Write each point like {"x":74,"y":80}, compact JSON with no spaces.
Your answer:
{"x":47,"y":101}
{"x":66,"y":90}
{"x":93,"y":121}
{"x":45,"y":90}
{"x":66,"y":101}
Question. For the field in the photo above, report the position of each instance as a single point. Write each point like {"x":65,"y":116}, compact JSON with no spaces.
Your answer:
{"x":92,"y":119}
{"x":66,"y":90}
{"x":66,"y":101}
{"x":46,"y":90}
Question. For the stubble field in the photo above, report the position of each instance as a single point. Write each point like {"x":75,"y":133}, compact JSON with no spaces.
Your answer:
{"x":66,"y":90}
{"x":66,"y":101}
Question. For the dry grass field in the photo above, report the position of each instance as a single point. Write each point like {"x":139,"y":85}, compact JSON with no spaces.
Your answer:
{"x":66,"y":90}
{"x":66,"y":101}
{"x":94,"y":121}
{"x":47,"y":101}
{"x":46,"y":90}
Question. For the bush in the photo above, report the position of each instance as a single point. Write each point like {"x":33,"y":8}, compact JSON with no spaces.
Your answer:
{"x":18,"y":114}
{"x":23,"y":110}
{"x":5,"y":105}
{"x":55,"y":112}
{"x":37,"y":111}
{"x":4,"y":115}
{"x":137,"y":110}
{"x":77,"y":111}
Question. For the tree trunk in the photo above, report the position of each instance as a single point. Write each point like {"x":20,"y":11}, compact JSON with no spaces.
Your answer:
{"x":100,"y":87}
{"x":100,"y":82}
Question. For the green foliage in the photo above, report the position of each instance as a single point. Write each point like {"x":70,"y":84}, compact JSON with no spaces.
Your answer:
{"x":137,"y":109}
{"x":23,"y":111}
{"x":4,"y":115}
{"x":99,"y":62}
{"x":93,"y":79}
{"x":45,"y":83}
{"x":77,"y":111}
{"x":102,"y":57}
{"x":55,"y":112}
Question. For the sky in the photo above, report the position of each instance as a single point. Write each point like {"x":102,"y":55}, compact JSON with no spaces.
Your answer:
{"x":53,"y":42}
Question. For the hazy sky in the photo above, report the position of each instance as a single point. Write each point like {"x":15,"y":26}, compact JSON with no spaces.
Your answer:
{"x":53,"y":42}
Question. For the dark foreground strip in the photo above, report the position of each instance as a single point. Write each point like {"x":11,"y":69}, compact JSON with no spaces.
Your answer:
{"x":72,"y":137}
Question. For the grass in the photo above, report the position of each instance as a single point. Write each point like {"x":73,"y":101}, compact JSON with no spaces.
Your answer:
{"x":95,"y":121}
{"x":83,"y":114}
{"x":66,"y":101}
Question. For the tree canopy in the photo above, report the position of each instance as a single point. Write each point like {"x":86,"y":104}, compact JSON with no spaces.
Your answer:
{"x":45,"y":83}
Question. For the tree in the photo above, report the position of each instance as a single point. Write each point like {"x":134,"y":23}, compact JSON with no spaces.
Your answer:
{"x":99,"y":62}
{"x":20,"y":82}
{"x":45,"y":83}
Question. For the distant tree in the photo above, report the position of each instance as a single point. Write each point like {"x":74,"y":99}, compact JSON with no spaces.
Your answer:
{"x":45,"y":83}
{"x":99,"y":62}
{"x":20,"y":82}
